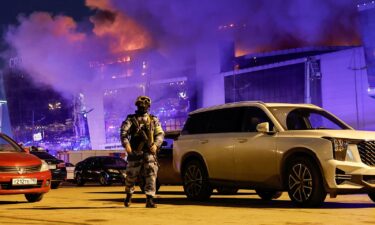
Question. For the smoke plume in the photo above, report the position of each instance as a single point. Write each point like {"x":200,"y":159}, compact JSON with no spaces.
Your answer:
{"x":52,"y":50}
{"x":56,"y":51}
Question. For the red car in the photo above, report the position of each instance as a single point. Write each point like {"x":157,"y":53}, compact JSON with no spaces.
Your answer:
{"x":21,"y":172}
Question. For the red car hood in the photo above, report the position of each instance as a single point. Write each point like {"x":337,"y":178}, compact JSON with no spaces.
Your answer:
{"x":18,"y":159}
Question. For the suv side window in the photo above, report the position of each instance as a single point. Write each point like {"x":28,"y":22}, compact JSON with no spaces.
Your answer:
{"x":253,"y":116}
{"x":196,"y":123}
{"x":226,"y":120}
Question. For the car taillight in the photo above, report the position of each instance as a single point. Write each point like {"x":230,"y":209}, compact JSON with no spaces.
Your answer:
{"x":61,"y":165}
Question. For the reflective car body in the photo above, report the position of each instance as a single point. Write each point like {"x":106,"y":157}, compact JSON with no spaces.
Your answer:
{"x":271,"y":147}
{"x":69,"y":171}
{"x":22,"y":173}
{"x":167,"y":174}
{"x":102,"y":169}
{"x":55,"y":165}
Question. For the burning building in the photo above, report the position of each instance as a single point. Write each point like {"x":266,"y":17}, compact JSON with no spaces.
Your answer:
{"x":184,"y":59}
{"x":132,"y":75}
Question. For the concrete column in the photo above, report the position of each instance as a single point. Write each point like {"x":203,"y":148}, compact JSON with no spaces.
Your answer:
{"x":95,"y":119}
{"x":208,"y":75}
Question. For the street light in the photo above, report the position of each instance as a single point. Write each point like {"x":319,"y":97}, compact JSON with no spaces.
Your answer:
{"x":53,"y":106}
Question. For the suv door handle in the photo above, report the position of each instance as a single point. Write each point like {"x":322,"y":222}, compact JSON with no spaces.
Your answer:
{"x":203,"y":141}
{"x":242,"y":140}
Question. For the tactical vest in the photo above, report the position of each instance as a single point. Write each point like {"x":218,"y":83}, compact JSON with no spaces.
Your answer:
{"x":141,"y":134}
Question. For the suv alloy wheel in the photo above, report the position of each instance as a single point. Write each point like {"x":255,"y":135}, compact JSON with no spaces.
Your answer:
{"x":304,"y":183}
{"x":195,"y":181}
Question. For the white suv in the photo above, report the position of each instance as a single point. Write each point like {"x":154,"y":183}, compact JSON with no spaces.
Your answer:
{"x":274,"y":147}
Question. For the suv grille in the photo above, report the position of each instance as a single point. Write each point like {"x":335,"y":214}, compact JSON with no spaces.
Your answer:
{"x":367,"y":152}
{"x":19,"y":169}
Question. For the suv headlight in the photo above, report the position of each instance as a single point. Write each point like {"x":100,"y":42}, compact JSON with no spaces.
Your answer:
{"x":340,"y":147}
{"x":44,"y":166}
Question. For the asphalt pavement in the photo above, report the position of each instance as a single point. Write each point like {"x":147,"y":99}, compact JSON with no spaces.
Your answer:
{"x":95,"y":204}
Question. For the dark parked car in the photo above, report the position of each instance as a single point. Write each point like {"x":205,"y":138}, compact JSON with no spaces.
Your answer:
{"x":102,"y":169}
{"x":55,"y":165}
{"x":166,"y":174}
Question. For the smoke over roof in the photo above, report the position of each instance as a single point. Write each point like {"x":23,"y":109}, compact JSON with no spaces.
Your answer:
{"x":55,"y":50}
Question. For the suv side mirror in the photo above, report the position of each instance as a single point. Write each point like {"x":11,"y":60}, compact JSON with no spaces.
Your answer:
{"x":263,"y":127}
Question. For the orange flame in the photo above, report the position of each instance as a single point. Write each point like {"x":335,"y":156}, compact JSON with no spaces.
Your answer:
{"x":123,"y":33}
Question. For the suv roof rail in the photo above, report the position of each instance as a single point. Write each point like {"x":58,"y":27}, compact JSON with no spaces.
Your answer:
{"x":243,"y":103}
{"x":225,"y":106}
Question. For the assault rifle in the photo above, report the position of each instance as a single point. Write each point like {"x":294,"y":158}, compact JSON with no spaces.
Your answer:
{"x":145,"y":133}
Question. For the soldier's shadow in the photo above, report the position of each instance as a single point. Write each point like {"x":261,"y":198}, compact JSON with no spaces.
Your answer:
{"x":240,"y":200}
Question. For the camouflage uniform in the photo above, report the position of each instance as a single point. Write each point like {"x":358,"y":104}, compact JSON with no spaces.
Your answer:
{"x":141,"y":161}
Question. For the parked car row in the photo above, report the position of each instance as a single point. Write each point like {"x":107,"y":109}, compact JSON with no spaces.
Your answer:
{"x":269,"y":147}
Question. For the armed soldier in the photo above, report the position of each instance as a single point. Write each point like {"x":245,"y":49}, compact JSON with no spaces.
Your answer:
{"x":141,"y":136}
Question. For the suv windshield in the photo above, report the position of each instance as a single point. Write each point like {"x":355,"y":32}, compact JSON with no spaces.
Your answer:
{"x":292,"y":118}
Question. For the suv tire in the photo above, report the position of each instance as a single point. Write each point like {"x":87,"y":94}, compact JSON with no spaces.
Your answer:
{"x":195,"y":181}
{"x":34,"y":197}
{"x":268,"y":195}
{"x":304,"y":183}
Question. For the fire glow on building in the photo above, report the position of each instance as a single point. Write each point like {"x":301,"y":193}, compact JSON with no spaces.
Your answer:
{"x":184,"y":57}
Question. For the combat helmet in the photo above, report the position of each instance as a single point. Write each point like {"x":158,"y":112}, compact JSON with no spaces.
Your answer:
{"x":143,"y":103}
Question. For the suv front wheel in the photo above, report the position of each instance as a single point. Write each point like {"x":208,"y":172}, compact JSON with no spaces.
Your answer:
{"x":195,"y":181}
{"x":304,"y":183}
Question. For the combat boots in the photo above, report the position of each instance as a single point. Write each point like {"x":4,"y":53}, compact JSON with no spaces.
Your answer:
{"x":128,"y":200}
{"x":150,"y":202}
